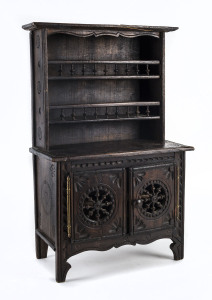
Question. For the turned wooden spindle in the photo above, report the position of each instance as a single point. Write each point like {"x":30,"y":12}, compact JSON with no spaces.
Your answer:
{"x":116,"y":69}
{"x":147,"y":70}
{"x":137,"y":69}
{"x":84,"y":113}
{"x":147,"y":111}
{"x":72,"y":70}
{"x":105,"y":70}
{"x":83,"y":69}
{"x":73,"y":114}
{"x":106,"y":114}
{"x":127,"y":69}
{"x":60,"y":70}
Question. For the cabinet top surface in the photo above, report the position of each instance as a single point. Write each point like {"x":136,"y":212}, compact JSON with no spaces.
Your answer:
{"x":68,"y":26}
{"x":109,"y":149}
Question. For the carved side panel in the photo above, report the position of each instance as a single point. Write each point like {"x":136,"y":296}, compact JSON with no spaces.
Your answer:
{"x":46,"y":196}
{"x":98,"y":204}
{"x":152,"y":197}
{"x":178,"y":235}
{"x":40,"y":134}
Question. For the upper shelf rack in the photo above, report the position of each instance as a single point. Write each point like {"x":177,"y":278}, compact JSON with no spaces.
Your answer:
{"x":129,"y":69}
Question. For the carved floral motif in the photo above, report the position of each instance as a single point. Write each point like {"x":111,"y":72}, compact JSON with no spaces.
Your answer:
{"x":46,"y":197}
{"x":137,"y":179}
{"x":116,"y":226}
{"x":79,"y":182}
{"x":116,"y":180}
{"x":52,"y":170}
{"x":139,"y":224}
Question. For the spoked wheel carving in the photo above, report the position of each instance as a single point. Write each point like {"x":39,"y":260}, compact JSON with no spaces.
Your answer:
{"x":97,"y":205}
{"x":153,"y":199}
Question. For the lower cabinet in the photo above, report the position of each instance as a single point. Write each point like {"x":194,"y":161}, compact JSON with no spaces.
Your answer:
{"x":96,"y":206}
{"x":123,"y":201}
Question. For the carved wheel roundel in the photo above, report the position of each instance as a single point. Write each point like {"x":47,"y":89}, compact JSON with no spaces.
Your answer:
{"x":97,"y":205}
{"x":153,"y":199}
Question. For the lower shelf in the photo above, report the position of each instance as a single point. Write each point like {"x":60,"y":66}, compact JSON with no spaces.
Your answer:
{"x":103,"y":119}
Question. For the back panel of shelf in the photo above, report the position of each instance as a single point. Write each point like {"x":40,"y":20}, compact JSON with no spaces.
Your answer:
{"x":68,"y":54}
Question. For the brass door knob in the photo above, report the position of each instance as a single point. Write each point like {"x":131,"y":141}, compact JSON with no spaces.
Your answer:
{"x":137,"y":202}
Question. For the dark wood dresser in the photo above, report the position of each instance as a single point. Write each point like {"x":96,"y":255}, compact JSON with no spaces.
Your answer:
{"x":104,"y":176}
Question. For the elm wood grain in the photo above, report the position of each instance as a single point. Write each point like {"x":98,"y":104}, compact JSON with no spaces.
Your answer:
{"x":106,"y":184}
{"x":92,"y":92}
{"x":72,"y":133}
{"x":60,"y":47}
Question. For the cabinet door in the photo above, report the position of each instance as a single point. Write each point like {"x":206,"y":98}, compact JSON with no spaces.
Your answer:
{"x":99,"y":204}
{"x":152,"y":197}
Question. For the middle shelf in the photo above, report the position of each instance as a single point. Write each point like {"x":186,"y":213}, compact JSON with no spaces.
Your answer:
{"x":68,"y":113}
{"x":131,"y":69}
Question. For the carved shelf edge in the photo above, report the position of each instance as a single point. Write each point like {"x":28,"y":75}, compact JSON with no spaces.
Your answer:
{"x":116,"y":242}
{"x":98,"y":33}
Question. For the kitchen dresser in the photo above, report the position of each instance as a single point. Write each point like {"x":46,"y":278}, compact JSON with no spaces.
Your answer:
{"x":104,"y":175}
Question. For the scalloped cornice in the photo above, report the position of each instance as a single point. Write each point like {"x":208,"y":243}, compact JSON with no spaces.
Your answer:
{"x":97,"y":28}
{"x":97,"y":33}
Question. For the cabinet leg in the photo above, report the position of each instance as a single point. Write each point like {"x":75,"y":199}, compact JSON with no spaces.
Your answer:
{"x":62,"y":267}
{"x":41,"y":247}
{"x":177,"y":248}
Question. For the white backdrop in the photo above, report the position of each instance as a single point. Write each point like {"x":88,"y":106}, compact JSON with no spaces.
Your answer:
{"x":141,"y":271}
